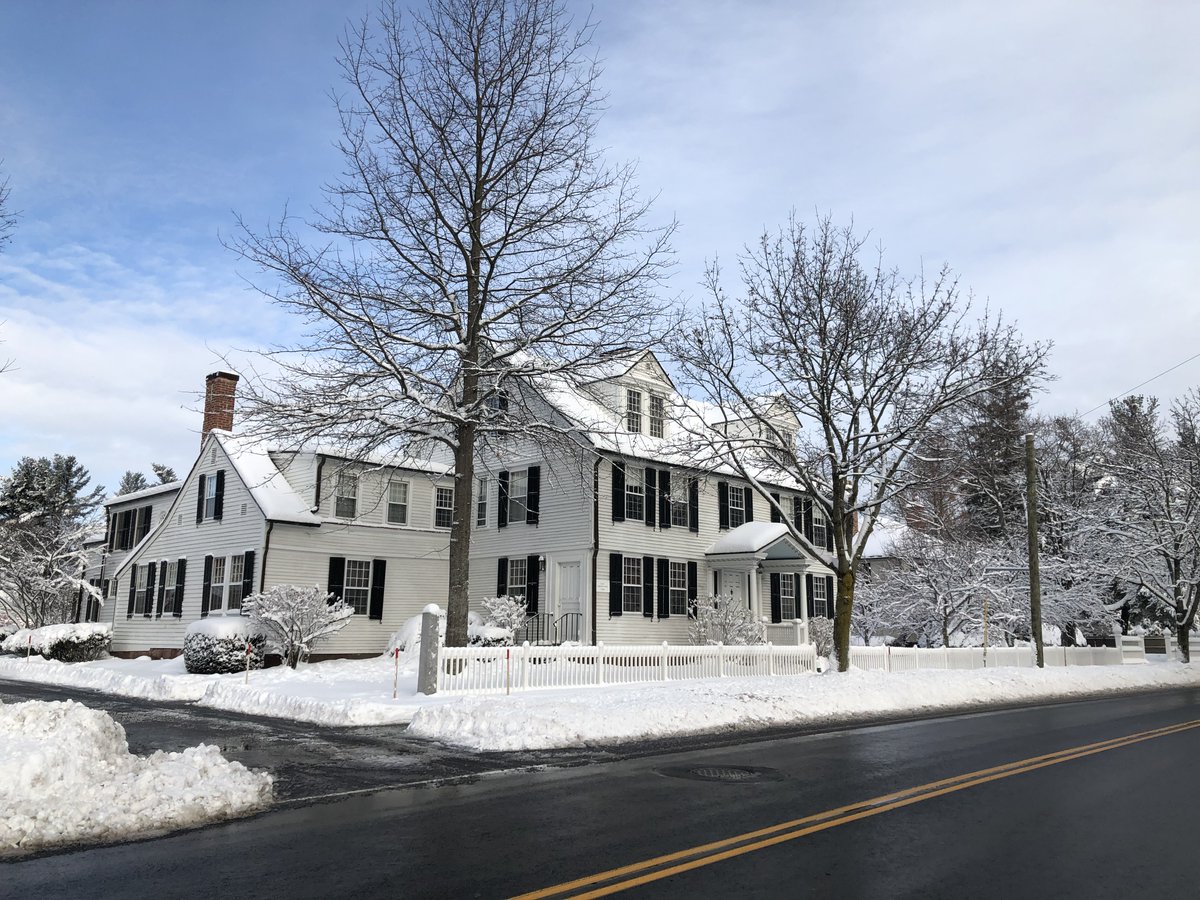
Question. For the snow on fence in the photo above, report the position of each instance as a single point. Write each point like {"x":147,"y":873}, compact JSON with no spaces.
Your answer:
{"x":463,"y":670}
{"x":908,"y":659}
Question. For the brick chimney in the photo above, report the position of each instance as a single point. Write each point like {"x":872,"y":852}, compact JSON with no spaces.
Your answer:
{"x":219,"y":389}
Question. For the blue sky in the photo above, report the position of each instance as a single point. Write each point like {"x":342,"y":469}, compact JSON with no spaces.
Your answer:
{"x":1048,"y":151}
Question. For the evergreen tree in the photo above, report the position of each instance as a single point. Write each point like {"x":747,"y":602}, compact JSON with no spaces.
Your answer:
{"x":131,"y":482}
{"x":46,"y":490}
{"x":165,"y":474}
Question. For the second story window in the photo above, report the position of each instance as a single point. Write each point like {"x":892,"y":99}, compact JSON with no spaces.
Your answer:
{"x":819,"y":527}
{"x":518,"y":496}
{"x":657,"y":415}
{"x":633,"y":411}
{"x":635,"y":493}
{"x":481,"y":501}
{"x":737,"y":507}
{"x":443,"y":507}
{"x":397,"y":508}
{"x":346,"y":502}
{"x":210,"y":497}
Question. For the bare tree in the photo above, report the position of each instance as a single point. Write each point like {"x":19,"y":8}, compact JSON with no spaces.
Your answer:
{"x":859,"y":360}
{"x":476,"y":243}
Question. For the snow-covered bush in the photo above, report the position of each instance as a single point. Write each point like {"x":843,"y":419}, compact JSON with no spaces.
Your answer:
{"x":217,"y":645}
{"x":718,"y":620}
{"x":509,"y":613}
{"x":293,"y":619}
{"x":79,"y":642}
{"x":820,"y":635}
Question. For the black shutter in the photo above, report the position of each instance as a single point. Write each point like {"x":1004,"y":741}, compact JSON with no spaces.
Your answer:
{"x":648,"y":586}
{"x":533,"y":494}
{"x":808,"y":519}
{"x":616,"y":578}
{"x":693,"y":587}
{"x":531,"y":584}
{"x":200,"y":498}
{"x":502,"y":503}
{"x":651,"y":489}
{"x":151,"y":571}
{"x":664,"y":589}
{"x":132,"y":590}
{"x":776,"y":598}
{"x":748,"y":499}
{"x":337,"y":577}
{"x":78,"y":611}
{"x":664,"y":498}
{"x":775,"y":517}
{"x":144,"y":516}
{"x":247,"y":574}
{"x":180,"y":580}
{"x":798,"y":514}
{"x":808,"y":596}
{"x":829,"y":604}
{"x":829,"y":534}
{"x":618,"y":492}
{"x":378,"y":580}
{"x":205,"y":586}
{"x":162,"y":588}
{"x":722,"y":505}
{"x":502,"y":577}
{"x":111,"y":538}
{"x":219,"y":506}
{"x":693,"y":505}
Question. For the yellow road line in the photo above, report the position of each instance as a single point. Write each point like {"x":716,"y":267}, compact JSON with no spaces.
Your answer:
{"x":796,"y":828}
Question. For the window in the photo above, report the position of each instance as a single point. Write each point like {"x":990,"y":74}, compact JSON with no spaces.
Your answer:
{"x":139,"y":595}
{"x":168,"y":582}
{"x":346,"y":503}
{"x":397,"y":507}
{"x":820,"y":598}
{"x":631,"y":595}
{"x":443,"y":507}
{"x":657,"y":414}
{"x":143,"y":522}
{"x":787,"y":596}
{"x":678,"y":588}
{"x":498,"y":402}
{"x":518,"y":495}
{"x":216,"y":585}
{"x":679,"y":504}
{"x":357,"y":588}
{"x":635,"y":493}
{"x":481,"y":500}
{"x":518,"y":576}
{"x":236,"y":573}
{"x":210,"y":497}
{"x":633,"y":410}
{"x":819,"y":533}
{"x":737,"y":507}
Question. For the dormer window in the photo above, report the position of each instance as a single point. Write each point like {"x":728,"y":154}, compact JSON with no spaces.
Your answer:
{"x":657,"y":415}
{"x":633,"y":411}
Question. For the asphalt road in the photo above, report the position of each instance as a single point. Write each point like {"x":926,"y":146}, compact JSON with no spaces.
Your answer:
{"x":836,"y":815}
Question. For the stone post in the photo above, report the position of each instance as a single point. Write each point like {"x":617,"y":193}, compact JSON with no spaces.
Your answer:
{"x":427,"y":675}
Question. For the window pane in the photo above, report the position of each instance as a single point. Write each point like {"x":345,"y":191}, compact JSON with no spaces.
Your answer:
{"x":631,"y":600}
{"x":518,"y":493}
{"x":397,"y":510}
{"x":737,"y":507}
{"x":216,"y":591}
{"x":356,"y":590}
{"x":517,"y":577}
{"x":633,"y":410}
{"x":678,"y":588}
{"x":481,"y":501}
{"x":347,"y":496}
{"x":656,"y":416}
{"x":635,"y":493}
{"x":443,"y":512}
{"x":236,"y":569}
{"x":787,"y":595}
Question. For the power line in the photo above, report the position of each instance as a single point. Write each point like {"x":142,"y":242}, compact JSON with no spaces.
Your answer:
{"x":1136,"y":386}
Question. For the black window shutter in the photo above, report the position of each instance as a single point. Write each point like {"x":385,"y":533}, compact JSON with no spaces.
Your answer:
{"x":748,"y":495}
{"x":776,"y":598}
{"x":151,"y":571}
{"x":648,"y":586}
{"x":829,"y":604}
{"x":828,"y":534}
{"x":722,"y":505}
{"x":775,"y":517}
{"x":651,"y":489}
{"x":180,"y":580}
{"x":162,"y":588}
{"x":533,"y":495}
{"x":808,"y":519}
{"x":205,"y":586}
{"x":502,"y":577}
{"x":132,"y":590}
{"x":247,"y":574}
{"x":664,"y":498}
{"x":664,"y":589}
{"x":144,"y":515}
{"x":808,"y":596}
{"x":200,"y":485}
{"x":378,"y":581}
{"x":125,"y":531}
{"x":219,"y":510}
{"x":615,"y":583}
{"x":531,"y":584}
{"x":337,"y":577}
{"x":798,"y":514}
{"x":502,"y":503}
{"x":111,"y":537}
{"x":693,"y":587}
{"x":618,"y":492}
{"x":693,"y":505}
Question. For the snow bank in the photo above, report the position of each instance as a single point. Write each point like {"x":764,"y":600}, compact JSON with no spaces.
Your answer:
{"x":552,"y":719}
{"x":47,"y":636}
{"x":67,"y":776}
{"x":142,"y":677}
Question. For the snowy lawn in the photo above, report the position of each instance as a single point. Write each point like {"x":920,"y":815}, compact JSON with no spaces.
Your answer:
{"x":359,"y":692}
{"x":67,"y":776}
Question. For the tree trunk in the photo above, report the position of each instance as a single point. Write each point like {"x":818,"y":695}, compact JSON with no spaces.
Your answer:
{"x":293,"y":657}
{"x":1181,"y":634}
{"x":843,"y":607}
{"x":459,"y":598}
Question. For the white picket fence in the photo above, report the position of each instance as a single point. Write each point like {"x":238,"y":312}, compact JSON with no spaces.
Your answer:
{"x":908,"y":659}
{"x":479,"y":670}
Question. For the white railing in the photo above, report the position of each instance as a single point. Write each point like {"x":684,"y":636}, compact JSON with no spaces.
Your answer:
{"x":786,"y":634}
{"x":908,"y":659}
{"x":463,"y":670}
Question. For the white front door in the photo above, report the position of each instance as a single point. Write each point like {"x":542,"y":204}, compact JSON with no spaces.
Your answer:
{"x":570,"y":602}
{"x":733,"y":583}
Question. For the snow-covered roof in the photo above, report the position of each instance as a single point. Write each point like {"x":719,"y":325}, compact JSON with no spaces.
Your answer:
{"x":272,"y":493}
{"x":752,"y":537}
{"x":383,"y":460}
{"x":887,"y":531}
{"x":169,"y":487}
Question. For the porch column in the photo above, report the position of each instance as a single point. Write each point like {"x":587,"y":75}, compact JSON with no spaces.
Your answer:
{"x":752,"y":593}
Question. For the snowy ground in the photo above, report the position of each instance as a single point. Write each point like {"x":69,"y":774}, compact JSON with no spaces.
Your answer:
{"x":359,"y":692}
{"x":67,"y":776}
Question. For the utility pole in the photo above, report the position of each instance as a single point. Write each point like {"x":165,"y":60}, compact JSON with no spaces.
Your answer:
{"x":1035,"y":578}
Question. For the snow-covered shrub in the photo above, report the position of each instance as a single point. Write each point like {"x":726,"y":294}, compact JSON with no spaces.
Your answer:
{"x":719,"y":620}
{"x":509,"y":613}
{"x":78,"y":642}
{"x":293,"y":619}
{"x":820,"y":635}
{"x":217,"y":645}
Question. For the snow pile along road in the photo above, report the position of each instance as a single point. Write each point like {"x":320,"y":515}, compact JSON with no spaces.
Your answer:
{"x":67,"y":776}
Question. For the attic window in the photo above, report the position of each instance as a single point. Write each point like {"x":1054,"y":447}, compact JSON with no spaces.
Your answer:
{"x":633,"y":411}
{"x":346,"y":503}
{"x":657,"y":414}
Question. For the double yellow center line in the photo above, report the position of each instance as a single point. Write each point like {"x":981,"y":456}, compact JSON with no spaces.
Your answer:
{"x":613,"y":880}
